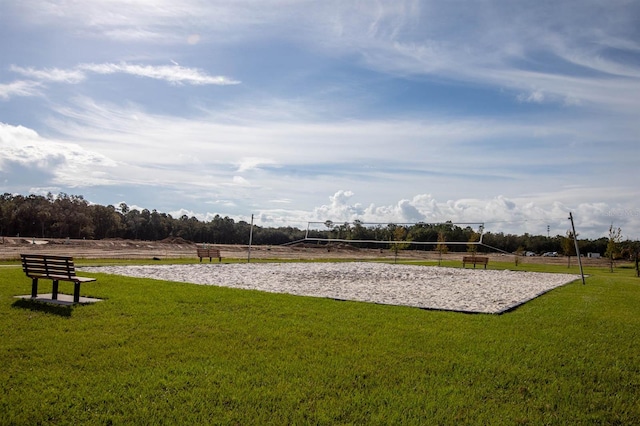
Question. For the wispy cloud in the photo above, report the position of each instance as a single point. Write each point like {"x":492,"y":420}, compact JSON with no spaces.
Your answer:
{"x":542,"y":52}
{"x":174,"y":74}
{"x":349,"y":153}
{"x":51,"y":74}
{"x":534,"y":48}
{"x":19,"y":88}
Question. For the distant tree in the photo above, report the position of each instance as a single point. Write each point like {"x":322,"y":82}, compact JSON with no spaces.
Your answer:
{"x":329,"y":225}
{"x":426,"y":232}
{"x":344,"y":231}
{"x":631,"y":251}
{"x":398,"y":234}
{"x":636,"y":256}
{"x":72,"y":217}
{"x":106,"y":220}
{"x":613,"y":245}
{"x":519,"y":253}
{"x":568,"y":246}
{"x":132,"y":222}
{"x":359,"y":231}
{"x":441,"y":247}
{"x":473,"y":238}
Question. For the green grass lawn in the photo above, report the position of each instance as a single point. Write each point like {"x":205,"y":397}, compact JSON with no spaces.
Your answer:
{"x":157,"y":352}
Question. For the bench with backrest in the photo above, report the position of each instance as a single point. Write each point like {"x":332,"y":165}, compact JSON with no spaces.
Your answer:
{"x":54,"y":268}
{"x":481,"y":260}
{"x":210,"y":253}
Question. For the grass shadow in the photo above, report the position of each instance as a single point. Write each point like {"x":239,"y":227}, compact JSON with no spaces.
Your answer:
{"x":32,"y":305}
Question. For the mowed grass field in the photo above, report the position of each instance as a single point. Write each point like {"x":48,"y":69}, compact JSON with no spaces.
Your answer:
{"x":157,"y":352}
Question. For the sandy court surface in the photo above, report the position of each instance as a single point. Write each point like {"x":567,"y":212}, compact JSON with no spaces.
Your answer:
{"x":430,"y":287}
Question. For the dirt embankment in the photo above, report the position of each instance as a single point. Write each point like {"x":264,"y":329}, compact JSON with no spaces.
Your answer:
{"x":175,"y":248}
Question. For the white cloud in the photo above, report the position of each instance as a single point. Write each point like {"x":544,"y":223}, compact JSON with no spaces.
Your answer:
{"x":251,"y":163}
{"x":175,"y":74}
{"x":240,"y":181}
{"x":498,"y":214}
{"x":339,"y":208}
{"x":281,"y":201}
{"x":51,"y":74}
{"x":164,"y":21}
{"x":19,"y":88}
{"x":70,"y":163}
{"x":374,"y":157}
{"x":536,"y":97}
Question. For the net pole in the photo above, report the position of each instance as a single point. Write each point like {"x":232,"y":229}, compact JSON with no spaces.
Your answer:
{"x":575,"y":241}
{"x":250,"y":241}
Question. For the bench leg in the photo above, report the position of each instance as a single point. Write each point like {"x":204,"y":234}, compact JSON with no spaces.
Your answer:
{"x":34,"y":288}
{"x":54,"y":290}
{"x":76,"y":292}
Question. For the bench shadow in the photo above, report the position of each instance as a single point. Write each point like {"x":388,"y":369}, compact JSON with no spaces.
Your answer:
{"x":32,"y":305}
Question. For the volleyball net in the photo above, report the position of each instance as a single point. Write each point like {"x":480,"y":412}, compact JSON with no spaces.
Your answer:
{"x":406,"y":233}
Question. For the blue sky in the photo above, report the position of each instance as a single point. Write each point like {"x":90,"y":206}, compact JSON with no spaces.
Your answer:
{"x":511,"y":113}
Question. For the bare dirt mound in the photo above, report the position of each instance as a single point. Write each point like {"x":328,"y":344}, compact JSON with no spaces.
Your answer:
{"x":175,"y":240}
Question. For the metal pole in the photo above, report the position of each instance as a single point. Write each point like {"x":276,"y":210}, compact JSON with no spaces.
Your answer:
{"x":575,"y":241}
{"x":250,"y":241}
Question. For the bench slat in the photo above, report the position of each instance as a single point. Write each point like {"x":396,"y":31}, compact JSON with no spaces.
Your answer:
{"x":38,"y":264}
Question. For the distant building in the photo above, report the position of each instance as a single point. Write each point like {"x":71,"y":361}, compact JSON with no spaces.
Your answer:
{"x":593,"y":255}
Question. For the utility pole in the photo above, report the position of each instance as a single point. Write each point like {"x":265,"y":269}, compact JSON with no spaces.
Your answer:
{"x":575,"y":240}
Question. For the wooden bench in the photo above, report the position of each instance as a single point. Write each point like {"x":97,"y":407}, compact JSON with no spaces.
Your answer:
{"x":475,"y":260}
{"x":54,"y":268}
{"x":210,"y":253}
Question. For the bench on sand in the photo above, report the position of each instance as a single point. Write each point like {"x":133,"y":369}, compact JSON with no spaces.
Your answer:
{"x":54,"y":268}
{"x":210,"y":253}
{"x":475,"y":260}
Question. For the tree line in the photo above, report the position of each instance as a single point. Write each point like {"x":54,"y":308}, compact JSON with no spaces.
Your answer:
{"x":71,"y":216}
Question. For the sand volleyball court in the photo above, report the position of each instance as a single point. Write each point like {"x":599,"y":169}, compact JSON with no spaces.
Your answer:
{"x":429,"y":287}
